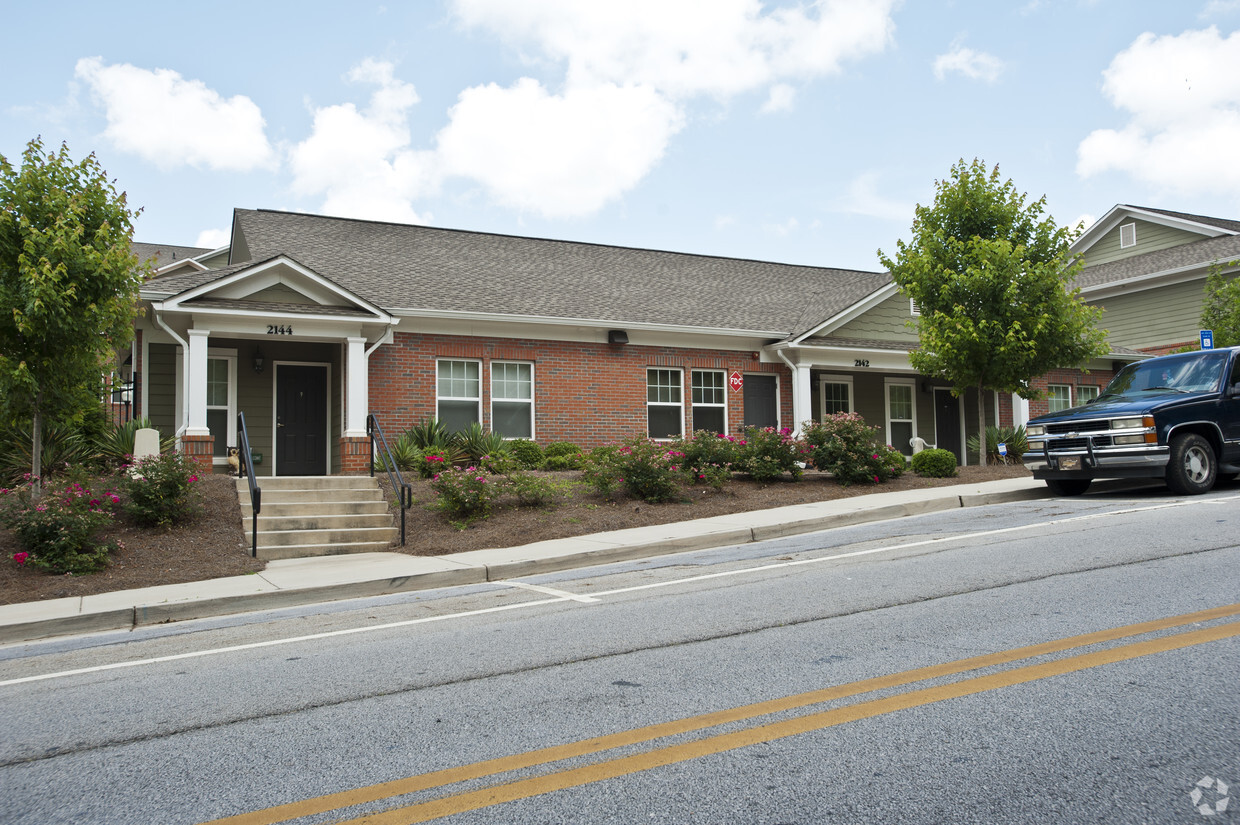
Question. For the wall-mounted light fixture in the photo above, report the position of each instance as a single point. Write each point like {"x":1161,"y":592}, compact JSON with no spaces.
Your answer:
{"x":126,"y":369}
{"x":258,"y":359}
{"x":617,"y":336}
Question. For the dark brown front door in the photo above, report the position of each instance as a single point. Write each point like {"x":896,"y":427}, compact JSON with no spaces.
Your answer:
{"x":760,"y":398}
{"x":301,"y":420}
{"x":947,"y":422}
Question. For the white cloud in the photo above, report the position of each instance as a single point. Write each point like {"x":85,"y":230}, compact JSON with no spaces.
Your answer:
{"x":362,"y":161}
{"x":171,"y":121}
{"x":864,"y":199}
{"x":782,"y":230}
{"x":968,"y":63}
{"x":780,"y":99}
{"x":1182,"y":95}
{"x":1219,"y":8}
{"x":213,"y":238}
{"x":558,"y":155}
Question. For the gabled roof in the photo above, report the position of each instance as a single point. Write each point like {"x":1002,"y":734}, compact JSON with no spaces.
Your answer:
{"x":1202,"y":225}
{"x":1193,"y":257}
{"x":420,"y":270}
{"x":164,"y":254}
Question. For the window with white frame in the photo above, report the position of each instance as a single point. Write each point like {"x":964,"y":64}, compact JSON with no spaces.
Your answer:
{"x":512,"y":399}
{"x":1127,"y":235}
{"x":1086,"y":393}
{"x":710,"y":401}
{"x":1058,"y":397}
{"x":222,"y":404}
{"x":458,"y":390}
{"x":835,"y":394}
{"x":664,"y":403}
{"x":900,"y":414}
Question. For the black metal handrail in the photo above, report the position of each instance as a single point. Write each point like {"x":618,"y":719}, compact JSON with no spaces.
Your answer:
{"x":256,"y":492}
{"x":404,"y":490}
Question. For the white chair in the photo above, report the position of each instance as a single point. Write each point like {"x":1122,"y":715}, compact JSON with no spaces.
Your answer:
{"x":919,"y":444}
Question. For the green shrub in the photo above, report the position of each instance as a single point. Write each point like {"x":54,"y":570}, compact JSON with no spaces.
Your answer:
{"x":1013,"y":437}
{"x":528,"y":454}
{"x":475,"y":442}
{"x":706,"y":457}
{"x":430,"y":435}
{"x":114,"y":445}
{"x":160,"y":491}
{"x":843,"y":445}
{"x":935,"y":464}
{"x":563,"y":455}
{"x":57,"y":533}
{"x":642,"y":468}
{"x":466,"y":493}
{"x":765,"y":454}
{"x":532,"y":490}
{"x":63,"y":446}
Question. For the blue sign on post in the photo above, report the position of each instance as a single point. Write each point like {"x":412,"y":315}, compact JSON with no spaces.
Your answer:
{"x":1207,"y":339}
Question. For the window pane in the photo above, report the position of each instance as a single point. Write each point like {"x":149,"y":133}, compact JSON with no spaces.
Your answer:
{"x":459,"y":379}
{"x":708,"y":418}
{"x":708,"y":387}
{"x":217,"y":382}
{"x":457,"y":415}
{"x":511,"y":419}
{"x":511,"y":381}
{"x":1087,"y":393}
{"x":663,"y":422}
{"x":1058,"y":397}
{"x":835,"y":398}
{"x":663,"y":386}
{"x":901,"y":402}
{"x":217,"y":423}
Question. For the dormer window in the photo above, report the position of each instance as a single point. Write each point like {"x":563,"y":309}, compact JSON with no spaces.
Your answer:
{"x":1127,"y":235}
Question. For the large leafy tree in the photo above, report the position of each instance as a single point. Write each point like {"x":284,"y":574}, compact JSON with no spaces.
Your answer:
{"x":1220,"y":311}
{"x":68,"y":286}
{"x":993,"y":279}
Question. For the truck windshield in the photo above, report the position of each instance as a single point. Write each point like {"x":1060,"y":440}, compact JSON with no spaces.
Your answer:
{"x":1190,"y":372}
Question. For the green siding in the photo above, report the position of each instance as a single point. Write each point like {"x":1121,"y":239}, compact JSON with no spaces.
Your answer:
{"x":885,"y":322}
{"x":1150,"y":237}
{"x":161,"y":388}
{"x":1154,"y":317}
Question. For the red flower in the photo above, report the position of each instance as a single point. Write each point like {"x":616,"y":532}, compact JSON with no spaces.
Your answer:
{"x":20,"y":558}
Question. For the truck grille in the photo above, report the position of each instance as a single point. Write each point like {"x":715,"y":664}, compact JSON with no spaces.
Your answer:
{"x":1094,"y":426}
{"x":1077,"y":443}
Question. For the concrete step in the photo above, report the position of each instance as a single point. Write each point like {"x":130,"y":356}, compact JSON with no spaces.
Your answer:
{"x":309,"y":483}
{"x":348,"y":521}
{"x":300,"y":551}
{"x":301,"y":507}
{"x":271,"y":497}
{"x":277,"y":538}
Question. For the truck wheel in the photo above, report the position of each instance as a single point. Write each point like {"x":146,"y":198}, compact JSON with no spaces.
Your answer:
{"x":1192,"y":467}
{"x":1068,"y":486}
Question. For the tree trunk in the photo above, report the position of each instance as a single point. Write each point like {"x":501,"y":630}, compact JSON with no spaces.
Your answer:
{"x":36,"y":452}
{"x":981,"y":427}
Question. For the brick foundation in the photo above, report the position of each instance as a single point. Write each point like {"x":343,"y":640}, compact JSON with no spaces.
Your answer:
{"x":354,"y":456}
{"x":201,"y":451}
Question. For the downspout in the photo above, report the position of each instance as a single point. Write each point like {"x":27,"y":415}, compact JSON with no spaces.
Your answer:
{"x":792,"y":368}
{"x":159,"y":319}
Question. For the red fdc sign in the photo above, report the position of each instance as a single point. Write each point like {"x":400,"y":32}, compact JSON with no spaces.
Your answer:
{"x":736,"y":381}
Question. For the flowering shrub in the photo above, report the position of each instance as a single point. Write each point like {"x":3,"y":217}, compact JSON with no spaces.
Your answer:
{"x":845,"y":446}
{"x":765,"y":454}
{"x":159,"y":490}
{"x":707,"y":457}
{"x":532,"y":490}
{"x":644,"y":469}
{"x":465,"y":493}
{"x":57,"y":532}
{"x":432,"y":464}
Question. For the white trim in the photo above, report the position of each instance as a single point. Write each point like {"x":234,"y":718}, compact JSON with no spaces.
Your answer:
{"x":1128,"y":232}
{"x":680,"y":405}
{"x":705,"y":405}
{"x":533,"y":383}
{"x":229,"y":356}
{"x":1119,"y":213}
{"x":1048,"y":396}
{"x":598,"y":323}
{"x":847,"y":380}
{"x":327,"y":403}
{"x":856,"y":310}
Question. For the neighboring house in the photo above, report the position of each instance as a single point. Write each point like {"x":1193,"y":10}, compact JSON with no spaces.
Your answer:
{"x":1146,"y":268}
{"x":308,"y":323}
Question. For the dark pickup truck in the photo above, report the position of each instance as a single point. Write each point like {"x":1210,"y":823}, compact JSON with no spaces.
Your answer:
{"x":1176,"y":417}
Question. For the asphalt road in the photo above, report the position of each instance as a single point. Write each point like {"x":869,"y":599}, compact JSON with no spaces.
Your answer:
{"x":1070,"y":660}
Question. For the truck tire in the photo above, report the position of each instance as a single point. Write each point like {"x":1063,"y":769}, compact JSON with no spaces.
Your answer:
{"x":1068,"y":486}
{"x":1193,"y":467}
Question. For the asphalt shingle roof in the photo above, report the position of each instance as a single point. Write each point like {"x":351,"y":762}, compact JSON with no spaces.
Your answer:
{"x":419,"y":268}
{"x":1198,"y":253}
{"x":165,"y":254}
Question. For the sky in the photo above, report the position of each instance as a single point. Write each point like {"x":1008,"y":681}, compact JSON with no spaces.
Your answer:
{"x":796,"y":132}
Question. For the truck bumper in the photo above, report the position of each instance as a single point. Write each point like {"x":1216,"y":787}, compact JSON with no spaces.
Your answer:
{"x":1147,"y":463}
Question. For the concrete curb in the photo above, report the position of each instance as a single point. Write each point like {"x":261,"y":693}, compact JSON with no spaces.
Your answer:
{"x":297,"y":582}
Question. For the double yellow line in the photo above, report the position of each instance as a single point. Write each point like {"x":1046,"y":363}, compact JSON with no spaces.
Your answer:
{"x":670,"y":754}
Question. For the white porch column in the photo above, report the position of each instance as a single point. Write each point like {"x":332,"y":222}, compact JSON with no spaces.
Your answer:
{"x":196,"y":383}
{"x":802,"y":397}
{"x":1020,"y":411}
{"x":357,"y":389}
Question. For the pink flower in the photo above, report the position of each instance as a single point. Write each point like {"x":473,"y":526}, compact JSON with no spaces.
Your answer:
{"x":876,"y":479}
{"x":20,"y":558}
{"x":115,"y":498}
{"x":192,"y":479}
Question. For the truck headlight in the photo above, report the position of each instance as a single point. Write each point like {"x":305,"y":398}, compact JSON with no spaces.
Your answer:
{"x":1126,"y":423}
{"x":1034,"y":429}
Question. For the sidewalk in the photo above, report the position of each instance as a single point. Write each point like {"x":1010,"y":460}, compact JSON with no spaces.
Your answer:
{"x":294,"y":582}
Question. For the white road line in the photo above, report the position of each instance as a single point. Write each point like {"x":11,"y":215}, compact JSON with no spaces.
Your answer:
{"x":559,"y":596}
{"x":550,"y":591}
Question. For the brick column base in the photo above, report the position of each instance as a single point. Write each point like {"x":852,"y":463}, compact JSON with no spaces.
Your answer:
{"x":354,"y":455}
{"x":200,"y":449}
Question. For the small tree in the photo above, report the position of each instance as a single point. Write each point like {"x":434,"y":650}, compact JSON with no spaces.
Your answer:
{"x":68,"y":286}
{"x":1221,"y":310}
{"x":993,"y":279}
